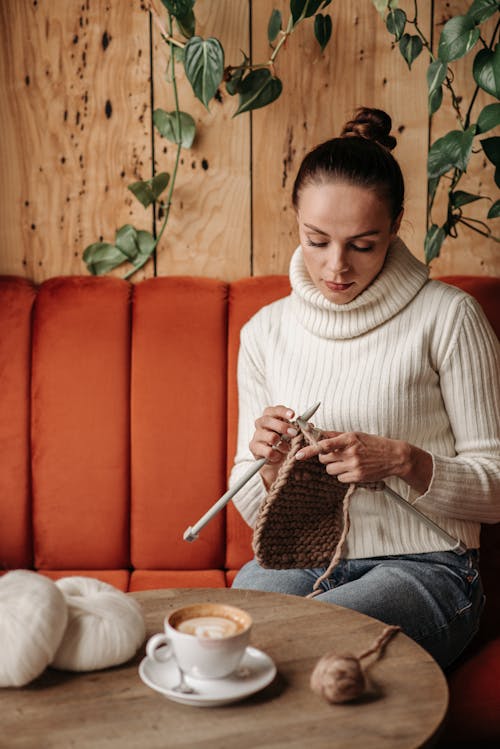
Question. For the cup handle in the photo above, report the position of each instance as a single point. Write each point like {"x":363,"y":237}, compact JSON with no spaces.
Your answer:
{"x":152,"y":648}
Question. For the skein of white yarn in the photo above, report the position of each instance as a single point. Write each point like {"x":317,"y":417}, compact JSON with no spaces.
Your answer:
{"x":33,"y":617}
{"x":105,"y":626}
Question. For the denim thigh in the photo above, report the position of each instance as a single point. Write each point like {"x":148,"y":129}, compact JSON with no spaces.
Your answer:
{"x":436,"y":598}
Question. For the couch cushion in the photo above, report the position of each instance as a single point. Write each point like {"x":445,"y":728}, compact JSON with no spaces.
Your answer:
{"x":119,"y":578}
{"x":474,"y":711}
{"x":178,"y":421}
{"x":246,"y":297}
{"x":161,"y":579}
{"x":485,"y":289}
{"x":16,"y":301}
{"x":80,"y":421}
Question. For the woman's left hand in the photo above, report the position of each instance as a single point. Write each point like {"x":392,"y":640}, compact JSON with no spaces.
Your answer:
{"x":356,"y":457}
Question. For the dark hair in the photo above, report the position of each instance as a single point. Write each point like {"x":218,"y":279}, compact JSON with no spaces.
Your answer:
{"x":360,"y":156}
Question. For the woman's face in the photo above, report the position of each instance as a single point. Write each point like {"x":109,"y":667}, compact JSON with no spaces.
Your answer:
{"x":345,"y":232}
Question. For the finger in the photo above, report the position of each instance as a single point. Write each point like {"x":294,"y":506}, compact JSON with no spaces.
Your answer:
{"x":280,"y":412}
{"x":341,"y":441}
{"x":308,"y":452}
{"x":343,"y":474}
{"x":267,"y":426}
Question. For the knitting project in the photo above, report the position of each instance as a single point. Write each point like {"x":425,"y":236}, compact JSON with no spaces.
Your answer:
{"x":304,"y":520}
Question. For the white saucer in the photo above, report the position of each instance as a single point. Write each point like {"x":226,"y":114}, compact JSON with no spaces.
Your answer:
{"x":255,"y":672}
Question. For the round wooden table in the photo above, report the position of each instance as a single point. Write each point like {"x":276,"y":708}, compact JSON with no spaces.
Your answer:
{"x":403,"y":708}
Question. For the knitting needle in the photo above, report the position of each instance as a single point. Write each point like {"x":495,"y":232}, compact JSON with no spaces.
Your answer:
{"x":191,"y":533}
{"x":458,"y":545}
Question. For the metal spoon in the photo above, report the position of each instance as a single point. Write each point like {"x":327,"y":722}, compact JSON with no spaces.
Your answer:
{"x":183,"y":687}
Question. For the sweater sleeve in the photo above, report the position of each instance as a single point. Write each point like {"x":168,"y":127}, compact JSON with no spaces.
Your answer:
{"x":467,"y":485}
{"x":253,"y":398}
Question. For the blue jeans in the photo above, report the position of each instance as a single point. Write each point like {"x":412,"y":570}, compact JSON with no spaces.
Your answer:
{"x":435,"y":598}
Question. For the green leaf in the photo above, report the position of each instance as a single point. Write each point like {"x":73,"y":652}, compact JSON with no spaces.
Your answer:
{"x":451,"y":151}
{"x":460,"y":198}
{"x":322,"y":29}
{"x":396,"y":22}
{"x":432,"y":185}
{"x":458,"y":37}
{"x":410,"y":47}
{"x":383,"y":5}
{"x":204,"y":66}
{"x":150,"y":190}
{"x":159,"y":183}
{"x":486,"y":70}
{"x":436,"y":73}
{"x":303,"y":9}
{"x":489,"y":118}
{"x":101,"y":257}
{"x":126,"y":240}
{"x":186,"y":25}
{"x":136,"y":245}
{"x":178,"y":8}
{"x":494,"y":211}
{"x":258,"y":89}
{"x":274,"y":26}
{"x":481,"y":10}
{"x":325,"y":4}
{"x":433,"y":240}
{"x":145,"y":245}
{"x":491,"y":147}
{"x":167,"y":125}
{"x":143,"y":192}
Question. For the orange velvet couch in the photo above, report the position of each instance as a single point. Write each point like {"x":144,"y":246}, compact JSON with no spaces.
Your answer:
{"x":118,"y":412}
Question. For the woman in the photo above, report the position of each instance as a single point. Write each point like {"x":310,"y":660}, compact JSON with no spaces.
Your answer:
{"x":406,"y":370}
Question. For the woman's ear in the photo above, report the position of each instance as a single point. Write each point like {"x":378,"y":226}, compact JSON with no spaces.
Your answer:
{"x":397,"y":222}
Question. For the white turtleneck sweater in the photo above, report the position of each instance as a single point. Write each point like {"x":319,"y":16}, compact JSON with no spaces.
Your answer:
{"x":410,"y":359}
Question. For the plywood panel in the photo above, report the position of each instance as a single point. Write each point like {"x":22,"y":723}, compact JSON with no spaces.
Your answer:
{"x":359,"y":67}
{"x":470,"y":253}
{"x":208,"y":232}
{"x":76,"y":130}
{"x":74,"y":125}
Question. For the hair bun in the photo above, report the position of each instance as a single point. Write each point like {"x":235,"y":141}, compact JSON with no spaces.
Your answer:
{"x":372,"y":124}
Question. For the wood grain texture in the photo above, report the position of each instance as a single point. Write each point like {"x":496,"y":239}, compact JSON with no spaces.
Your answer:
{"x":470,"y":253}
{"x":358,"y":68}
{"x":402,"y":709}
{"x":208,"y":231}
{"x":74,"y":128}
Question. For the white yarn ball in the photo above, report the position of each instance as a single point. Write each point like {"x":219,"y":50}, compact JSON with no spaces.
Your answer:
{"x":105,"y":626}
{"x":33,"y":617}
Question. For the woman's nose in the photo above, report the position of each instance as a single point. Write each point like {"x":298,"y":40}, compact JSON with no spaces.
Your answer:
{"x":337,"y":260}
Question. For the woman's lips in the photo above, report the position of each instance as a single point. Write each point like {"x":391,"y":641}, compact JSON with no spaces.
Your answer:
{"x":338,"y":286}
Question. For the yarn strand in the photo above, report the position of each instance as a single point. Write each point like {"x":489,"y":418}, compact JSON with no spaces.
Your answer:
{"x":380,"y":642}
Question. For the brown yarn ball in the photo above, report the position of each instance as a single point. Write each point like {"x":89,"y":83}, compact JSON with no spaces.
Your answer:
{"x":338,"y":678}
{"x":371,"y":124}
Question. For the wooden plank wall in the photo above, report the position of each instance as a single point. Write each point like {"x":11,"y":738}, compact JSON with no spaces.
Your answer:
{"x":75,"y":130}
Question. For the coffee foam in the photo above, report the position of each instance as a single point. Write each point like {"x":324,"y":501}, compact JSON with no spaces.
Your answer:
{"x":225,"y":621}
{"x":209,"y":627}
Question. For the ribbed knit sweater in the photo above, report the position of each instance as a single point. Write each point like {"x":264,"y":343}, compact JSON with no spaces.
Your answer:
{"x":409,"y":358}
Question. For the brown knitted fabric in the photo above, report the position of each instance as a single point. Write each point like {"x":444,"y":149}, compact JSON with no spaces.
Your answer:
{"x":304,"y":520}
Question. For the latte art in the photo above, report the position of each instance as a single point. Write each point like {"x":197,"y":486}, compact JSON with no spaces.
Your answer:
{"x":209,"y":627}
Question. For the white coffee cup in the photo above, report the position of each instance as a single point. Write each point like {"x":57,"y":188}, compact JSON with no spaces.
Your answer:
{"x":207,"y":640}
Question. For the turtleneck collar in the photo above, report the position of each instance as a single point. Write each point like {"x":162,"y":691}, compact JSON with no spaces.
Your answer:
{"x":401,"y":278}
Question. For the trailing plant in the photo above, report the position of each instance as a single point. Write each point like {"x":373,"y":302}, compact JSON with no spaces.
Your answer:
{"x":449,"y":156}
{"x":203,"y":60}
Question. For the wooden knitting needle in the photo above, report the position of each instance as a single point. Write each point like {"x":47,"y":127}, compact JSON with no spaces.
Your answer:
{"x":191,"y":533}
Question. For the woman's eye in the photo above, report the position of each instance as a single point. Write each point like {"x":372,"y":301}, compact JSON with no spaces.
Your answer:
{"x":360,"y":248}
{"x":310,"y":243}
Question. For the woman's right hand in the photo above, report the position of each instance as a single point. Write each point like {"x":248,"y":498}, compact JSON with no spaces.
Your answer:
{"x":268,"y":440}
